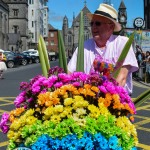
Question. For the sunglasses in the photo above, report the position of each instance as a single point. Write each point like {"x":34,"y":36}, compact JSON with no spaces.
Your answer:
{"x":97,"y":23}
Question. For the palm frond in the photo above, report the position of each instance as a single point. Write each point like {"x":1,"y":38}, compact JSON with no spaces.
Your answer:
{"x":123,"y":55}
{"x":80,"y":56}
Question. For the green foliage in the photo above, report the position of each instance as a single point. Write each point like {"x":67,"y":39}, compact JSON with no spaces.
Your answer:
{"x":42,"y":59}
{"x":62,"y":53}
{"x":142,"y":98}
{"x":44,"y":50}
{"x":80,"y":56}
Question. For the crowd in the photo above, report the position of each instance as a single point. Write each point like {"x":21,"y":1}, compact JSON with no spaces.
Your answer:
{"x":143,"y":59}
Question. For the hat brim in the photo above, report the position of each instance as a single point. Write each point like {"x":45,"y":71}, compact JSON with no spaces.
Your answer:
{"x":117,"y":25}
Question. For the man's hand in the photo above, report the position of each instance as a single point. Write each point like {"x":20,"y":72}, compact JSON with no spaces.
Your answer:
{"x":122,"y":77}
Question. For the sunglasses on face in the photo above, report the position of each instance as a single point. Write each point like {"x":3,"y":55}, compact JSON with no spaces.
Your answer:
{"x":97,"y":23}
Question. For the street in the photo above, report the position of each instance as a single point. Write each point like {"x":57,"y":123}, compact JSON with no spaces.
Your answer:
{"x":9,"y":89}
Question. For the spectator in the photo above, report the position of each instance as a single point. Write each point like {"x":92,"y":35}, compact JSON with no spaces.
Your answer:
{"x":2,"y":64}
{"x":147,"y":61}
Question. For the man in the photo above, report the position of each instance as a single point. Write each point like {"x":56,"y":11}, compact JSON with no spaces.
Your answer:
{"x":108,"y":46}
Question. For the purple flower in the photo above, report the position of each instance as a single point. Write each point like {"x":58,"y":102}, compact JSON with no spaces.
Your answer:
{"x":52,"y":79}
{"x":65,"y":78}
{"x":20,"y":99}
{"x":103,"y":89}
{"x":3,"y":123}
{"x":110,"y":87}
{"x":58,"y":84}
{"x":36,"y":89}
{"x":83,"y":77}
{"x":76,"y":84}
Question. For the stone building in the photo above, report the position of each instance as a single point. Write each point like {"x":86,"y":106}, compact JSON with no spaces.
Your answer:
{"x":70,"y":35}
{"x":18,"y":24}
{"x":4,"y":11}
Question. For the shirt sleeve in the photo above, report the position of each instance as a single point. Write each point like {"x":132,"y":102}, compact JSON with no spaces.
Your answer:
{"x":130,"y":58}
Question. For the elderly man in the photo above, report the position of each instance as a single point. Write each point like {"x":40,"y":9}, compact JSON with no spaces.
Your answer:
{"x":106,"y":45}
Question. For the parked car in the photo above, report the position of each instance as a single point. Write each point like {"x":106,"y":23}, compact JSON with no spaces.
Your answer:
{"x":52,"y":56}
{"x":26,"y":59}
{"x":32,"y":52}
{"x":34,"y":55}
{"x":12,"y":59}
{"x":30,"y":58}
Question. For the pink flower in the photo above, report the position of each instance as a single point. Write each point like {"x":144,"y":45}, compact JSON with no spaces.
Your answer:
{"x":3,"y":123}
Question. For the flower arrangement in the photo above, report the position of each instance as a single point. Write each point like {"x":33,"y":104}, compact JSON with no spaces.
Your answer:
{"x":71,"y":112}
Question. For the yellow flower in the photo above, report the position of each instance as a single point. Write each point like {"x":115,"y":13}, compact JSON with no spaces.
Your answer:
{"x":10,"y":134}
{"x":78,"y":98}
{"x":55,"y":118}
{"x":30,"y":120}
{"x":49,"y":111}
{"x":81,"y":111}
{"x":124,"y":123}
{"x":94,"y":111}
{"x":103,"y":110}
{"x":58,"y":108}
{"x":15,"y":125}
{"x":68,"y":101}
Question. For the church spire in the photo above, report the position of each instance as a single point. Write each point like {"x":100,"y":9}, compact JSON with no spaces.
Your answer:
{"x":84,"y":3}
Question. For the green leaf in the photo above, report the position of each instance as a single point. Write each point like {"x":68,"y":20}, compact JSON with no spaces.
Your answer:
{"x":62,"y":53}
{"x":44,"y":50}
{"x":80,"y":56}
{"x":42,"y":60}
{"x":123,"y":55}
{"x":142,"y":98}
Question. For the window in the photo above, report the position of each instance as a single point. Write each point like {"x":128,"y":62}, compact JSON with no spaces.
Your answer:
{"x":32,"y":23}
{"x":51,"y":34}
{"x":15,"y":29}
{"x":32,"y":12}
{"x":31,"y":1}
{"x":52,"y":43}
{"x":16,"y":11}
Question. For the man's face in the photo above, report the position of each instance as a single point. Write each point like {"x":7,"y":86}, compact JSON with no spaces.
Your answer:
{"x":101,"y":27}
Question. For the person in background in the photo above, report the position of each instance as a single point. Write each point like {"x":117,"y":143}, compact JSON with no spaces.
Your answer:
{"x":2,"y":64}
{"x":107,"y":46}
{"x":147,"y":61}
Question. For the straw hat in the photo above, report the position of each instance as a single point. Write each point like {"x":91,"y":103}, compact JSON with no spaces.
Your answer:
{"x":109,"y":12}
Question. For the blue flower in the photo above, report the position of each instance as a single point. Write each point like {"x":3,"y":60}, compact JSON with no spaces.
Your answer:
{"x":113,"y":142}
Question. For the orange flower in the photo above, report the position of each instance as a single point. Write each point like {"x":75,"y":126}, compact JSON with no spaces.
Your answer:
{"x":87,"y":86}
{"x":95,"y":89}
{"x":101,"y":100}
{"x":108,"y":96}
{"x":43,"y":97}
{"x":107,"y":102}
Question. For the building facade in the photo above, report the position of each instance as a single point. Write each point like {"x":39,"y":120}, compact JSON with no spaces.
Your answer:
{"x":37,"y":21}
{"x":4,"y":12}
{"x":18,"y":24}
{"x":71,"y":34}
{"x":52,"y":39}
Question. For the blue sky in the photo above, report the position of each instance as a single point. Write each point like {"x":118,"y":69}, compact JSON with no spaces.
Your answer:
{"x":59,"y":8}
